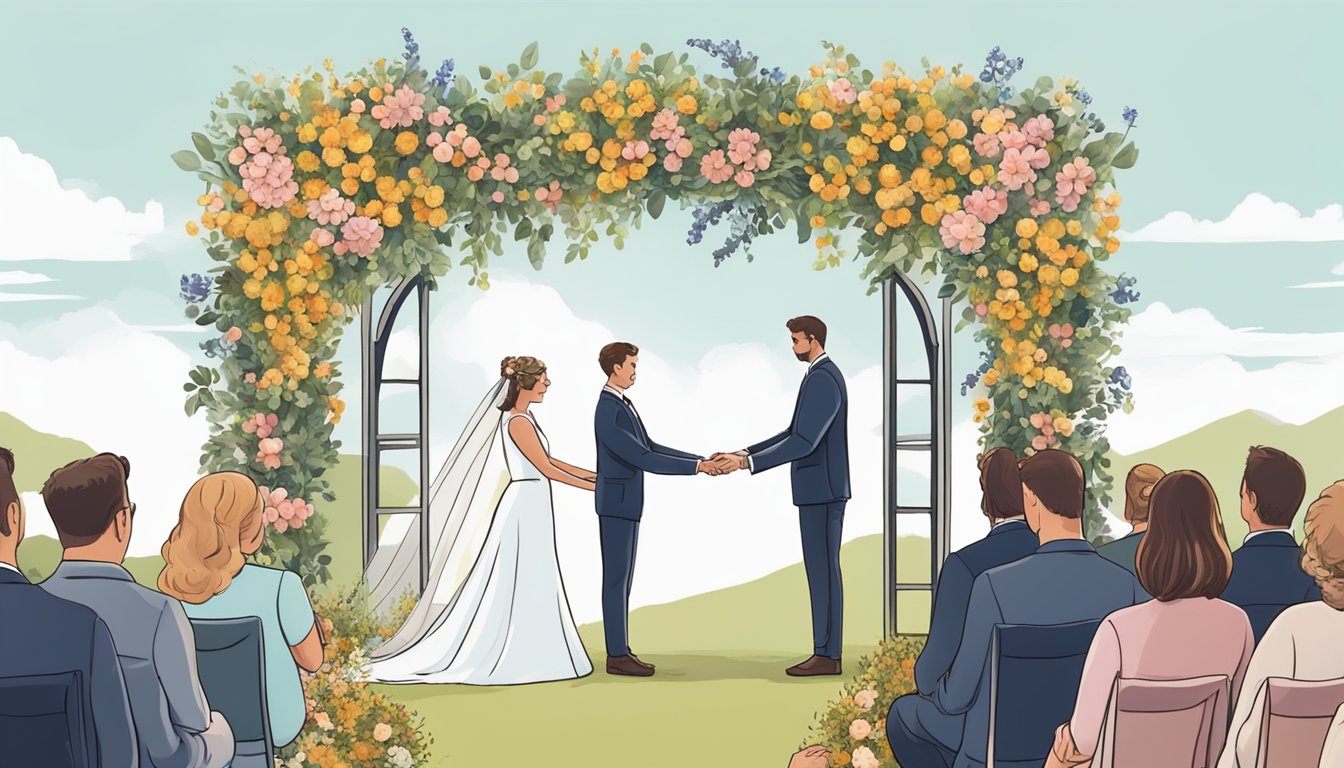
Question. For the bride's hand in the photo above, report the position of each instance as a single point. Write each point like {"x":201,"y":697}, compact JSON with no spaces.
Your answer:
{"x":589,"y":485}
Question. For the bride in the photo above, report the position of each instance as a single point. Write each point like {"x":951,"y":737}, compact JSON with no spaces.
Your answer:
{"x":494,"y":611}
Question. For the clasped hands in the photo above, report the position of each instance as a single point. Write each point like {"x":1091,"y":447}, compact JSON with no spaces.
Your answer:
{"x":724,"y":463}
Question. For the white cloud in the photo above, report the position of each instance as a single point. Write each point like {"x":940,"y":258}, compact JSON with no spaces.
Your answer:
{"x":1257,"y":219}
{"x":1187,"y":373}
{"x":44,"y":220}
{"x":1338,"y":270}
{"x":22,"y":278}
{"x":89,"y":376}
{"x":9,"y":297}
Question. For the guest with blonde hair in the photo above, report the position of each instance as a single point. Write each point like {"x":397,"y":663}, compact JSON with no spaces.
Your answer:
{"x":1139,"y":485}
{"x":220,"y":524}
{"x":1303,"y":642}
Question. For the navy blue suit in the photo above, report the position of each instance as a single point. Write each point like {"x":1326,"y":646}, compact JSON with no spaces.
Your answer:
{"x":1065,"y":581}
{"x":624,"y":454}
{"x":816,"y":446}
{"x":1006,"y":543}
{"x":1267,"y":577}
{"x":43,"y":634}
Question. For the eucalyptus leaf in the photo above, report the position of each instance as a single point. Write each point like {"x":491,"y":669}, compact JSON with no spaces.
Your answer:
{"x":187,"y":160}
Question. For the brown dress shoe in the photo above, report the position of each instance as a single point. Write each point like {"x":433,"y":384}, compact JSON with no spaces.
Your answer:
{"x":627,"y":665}
{"x":640,"y":661}
{"x":817,"y":665}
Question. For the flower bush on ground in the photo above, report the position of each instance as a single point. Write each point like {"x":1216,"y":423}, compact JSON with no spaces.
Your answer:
{"x":853,"y":727}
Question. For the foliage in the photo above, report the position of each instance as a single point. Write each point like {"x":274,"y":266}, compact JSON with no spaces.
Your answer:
{"x":321,"y":188}
{"x":853,"y":727}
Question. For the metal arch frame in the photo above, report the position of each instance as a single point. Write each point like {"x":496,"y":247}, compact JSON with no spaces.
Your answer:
{"x":937,"y":348}
{"x":373,"y":353}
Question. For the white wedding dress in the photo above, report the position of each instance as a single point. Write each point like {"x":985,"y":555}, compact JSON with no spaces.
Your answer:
{"x":495,"y":610}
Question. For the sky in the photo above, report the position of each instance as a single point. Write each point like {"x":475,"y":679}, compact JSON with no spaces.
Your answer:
{"x":1232,"y":224}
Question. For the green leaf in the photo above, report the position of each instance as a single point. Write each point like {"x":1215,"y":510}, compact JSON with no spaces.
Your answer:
{"x":529,"y":59}
{"x":203,"y":146}
{"x":485,"y":72}
{"x":657,"y":199}
{"x":536,"y":252}
{"x":947,"y":290}
{"x":1126,"y":157}
{"x":187,"y":160}
{"x":524,"y":229}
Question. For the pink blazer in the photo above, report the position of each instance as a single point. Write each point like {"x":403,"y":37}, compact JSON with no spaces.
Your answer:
{"x":1191,"y":637}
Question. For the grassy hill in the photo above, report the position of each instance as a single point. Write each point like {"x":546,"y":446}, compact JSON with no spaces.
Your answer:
{"x":1218,"y":450}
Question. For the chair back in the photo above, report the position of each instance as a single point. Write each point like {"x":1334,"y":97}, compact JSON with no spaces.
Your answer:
{"x":1296,"y":719}
{"x":1033,"y":681}
{"x":44,"y":721}
{"x":1177,"y":723}
{"x":231,"y":663}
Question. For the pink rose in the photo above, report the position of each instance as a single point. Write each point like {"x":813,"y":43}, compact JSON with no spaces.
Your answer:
{"x":986,"y":144}
{"x":237,"y":155}
{"x":744,"y":179}
{"x":714,"y":167}
{"x":1039,"y":443}
{"x":443,"y":153}
{"x":549,"y":196}
{"x":280,"y":527}
{"x":963,"y":231}
{"x":250,"y":377}
{"x":361,"y":236}
{"x":330,"y":208}
{"x":1038,"y":158}
{"x":865,"y":699}
{"x":860,"y":729}
{"x":1039,"y":130}
{"x":672,"y":163}
{"x":286,"y":510}
{"x":357,"y":107}
{"x":987,"y":204}
{"x":322,"y":238}
{"x":498,"y":196}
{"x":234,"y":334}
{"x":1072,"y":182}
{"x":863,"y":757}
{"x":843,"y":91}
{"x":1013,"y":139}
{"x":399,"y":109}
{"x":1015,"y":170}
{"x":471,"y":147}
{"x":664,"y":125}
{"x":1039,"y":207}
{"x":440,"y":117}
{"x":382,"y":732}
{"x":982,"y":309}
{"x":635,"y":150}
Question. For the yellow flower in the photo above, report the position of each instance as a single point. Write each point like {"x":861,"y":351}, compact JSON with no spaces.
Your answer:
{"x":822,"y":120}
{"x":981,"y":405}
{"x":336,"y":406}
{"x":897,"y":143}
{"x":512,"y":99}
{"x":982,"y":271}
{"x":1068,"y":277}
{"x":687,"y":105}
{"x":307,"y":133}
{"x":1027,"y":263}
{"x":307,"y":161}
{"x":360,"y":142}
{"x":1026,"y":227}
{"x":406,"y":142}
{"x":192,"y":229}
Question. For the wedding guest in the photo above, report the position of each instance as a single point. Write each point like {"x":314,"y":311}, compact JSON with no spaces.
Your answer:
{"x":89,"y":503}
{"x":815,"y":756}
{"x":1042,"y":588}
{"x":1009,"y":539}
{"x":1303,"y":642}
{"x":1185,"y":631}
{"x":47,"y":635}
{"x":1138,"y":490}
{"x":1265,"y":573}
{"x":220,"y":523}
{"x":1332,"y":753}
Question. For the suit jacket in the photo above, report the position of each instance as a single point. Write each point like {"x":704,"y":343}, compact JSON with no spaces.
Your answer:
{"x":816,"y":444}
{"x":1124,"y":552}
{"x":1065,"y":581}
{"x":624,"y":454}
{"x":1267,"y":577}
{"x":44,"y":634}
{"x":157,"y":651}
{"x":1006,"y":543}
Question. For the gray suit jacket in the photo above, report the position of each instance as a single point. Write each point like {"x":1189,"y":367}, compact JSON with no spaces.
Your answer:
{"x":157,"y":651}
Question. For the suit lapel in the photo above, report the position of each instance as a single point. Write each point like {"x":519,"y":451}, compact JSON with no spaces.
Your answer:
{"x":634,"y":415}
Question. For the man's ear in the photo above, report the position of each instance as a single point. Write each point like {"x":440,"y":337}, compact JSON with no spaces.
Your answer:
{"x":123,"y":524}
{"x":12,"y":513}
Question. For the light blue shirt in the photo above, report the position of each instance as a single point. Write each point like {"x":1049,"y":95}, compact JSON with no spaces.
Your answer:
{"x":277,"y":598}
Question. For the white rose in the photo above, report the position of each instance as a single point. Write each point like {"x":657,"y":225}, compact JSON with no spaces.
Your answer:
{"x":860,"y":730}
{"x":865,"y":699}
{"x":863,"y":757}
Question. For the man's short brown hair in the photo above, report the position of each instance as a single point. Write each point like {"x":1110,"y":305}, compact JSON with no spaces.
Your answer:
{"x":85,"y":495}
{"x":8,"y":493}
{"x":1000,"y":484}
{"x":809,"y":326}
{"x":615,"y":354}
{"x":1056,"y":478}
{"x":1278,"y":482}
{"x":1185,"y":552}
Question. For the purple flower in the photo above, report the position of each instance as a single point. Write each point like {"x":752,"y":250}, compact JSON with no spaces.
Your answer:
{"x":195,"y":288}
{"x":1130,"y":115}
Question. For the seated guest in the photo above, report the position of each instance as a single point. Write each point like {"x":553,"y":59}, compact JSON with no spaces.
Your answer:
{"x":1303,"y":642}
{"x":89,"y":502}
{"x":815,"y":756}
{"x":1009,"y":539}
{"x":1138,"y":490}
{"x":219,"y":524}
{"x":1064,"y":581}
{"x":46,"y":635}
{"x":1185,"y":631}
{"x":1332,"y":753}
{"x":1265,"y":573}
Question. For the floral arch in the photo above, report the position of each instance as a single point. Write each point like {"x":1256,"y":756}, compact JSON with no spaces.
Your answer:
{"x":320,"y":188}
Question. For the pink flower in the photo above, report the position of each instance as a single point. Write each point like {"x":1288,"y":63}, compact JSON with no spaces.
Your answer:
{"x":635,"y":150}
{"x":443,"y":152}
{"x":280,"y":527}
{"x":502,"y":171}
{"x":843,"y":91}
{"x":322,"y":237}
{"x":863,"y":757}
{"x":672,"y":163}
{"x":269,"y":179}
{"x":1039,"y":443}
{"x":538,"y":120}
{"x":357,"y":107}
{"x":440,"y":117}
{"x":1036,"y":157}
{"x":763,"y":159}
{"x":434,"y":139}
{"x":261,"y":424}
{"x":1072,"y":182}
{"x":1039,"y":207}
{"x":987,"y":204}
{"x":1039,"y":130}
{"x":1015,"y":170}
{"x":860,"y":729}
{"x":1062,"y":332}
{"x":268,"y":452}
{"x":250,"y":377}
{"x":234,"y":334}
{"x":986,"y":144}
{"x":330,"y":208}
{"x":982,"y":309}
{"x":286,"y":510}
{"x":261,"y":140}
{"x":361,"y":236}
{"x":742,"y":147}
{"x":744,"y":178}
{"x":865,"y":699}
{"x":1039,"y":420}
{"x":498,"y":196}
{"x":962,"y":230}
{"x":681,"y":147}
{"x":665,"y":126}
{"x":237,"y":155}
{"x":382,"y":732}
{"x":549,"y":197}
{"x":553,"y":105}
{"x":1013,"y":139}
{"x":400,"y":109}
{"x":471,"y":147}
{"x":714,"y":167}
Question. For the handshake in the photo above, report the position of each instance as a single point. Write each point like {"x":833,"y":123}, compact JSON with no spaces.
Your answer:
{"x":723,"y":463}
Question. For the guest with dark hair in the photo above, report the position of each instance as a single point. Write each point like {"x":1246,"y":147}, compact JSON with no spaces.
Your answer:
{"x":43,"y":635}
{"x":1185,"y":631}
{"x":1265,"y":573}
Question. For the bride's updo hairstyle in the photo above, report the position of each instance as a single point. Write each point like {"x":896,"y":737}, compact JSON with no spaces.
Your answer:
{"x":522,"y":373}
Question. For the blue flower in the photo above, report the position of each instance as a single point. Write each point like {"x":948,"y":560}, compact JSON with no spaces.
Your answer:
{"x":704,"y":216}
{"x":1121,"y":377}
{"x":1130,"y":115}
{"x":776,"y":75}
{"x":1085,"y":97}
{"x":195,"y":288}
{"x":728,"y":50}
{"x":999,"y":69}
{"x":412,"y":54}
{"x":444,"y":77}
{"x":1123,"y":293}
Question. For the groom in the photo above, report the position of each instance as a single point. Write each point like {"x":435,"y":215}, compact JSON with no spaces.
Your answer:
{"x":624,"y":453}
{"x":817,"y":448}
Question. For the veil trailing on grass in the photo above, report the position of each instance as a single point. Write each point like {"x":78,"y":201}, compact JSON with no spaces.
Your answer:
{"x":462,"y":504}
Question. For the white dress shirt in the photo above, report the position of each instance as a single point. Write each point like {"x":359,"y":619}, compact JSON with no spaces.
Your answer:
{"x":1253,"y":534}
{"x":3,"y":564}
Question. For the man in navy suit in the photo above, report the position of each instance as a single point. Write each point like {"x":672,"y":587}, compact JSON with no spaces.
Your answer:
{"x":1009,"y":539}
{"x":1266,"y":572}
{"x":1063,"y":582}
{"x":624,"y":453}
{"x":44,"y":634}
{"x":816,"y":447}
